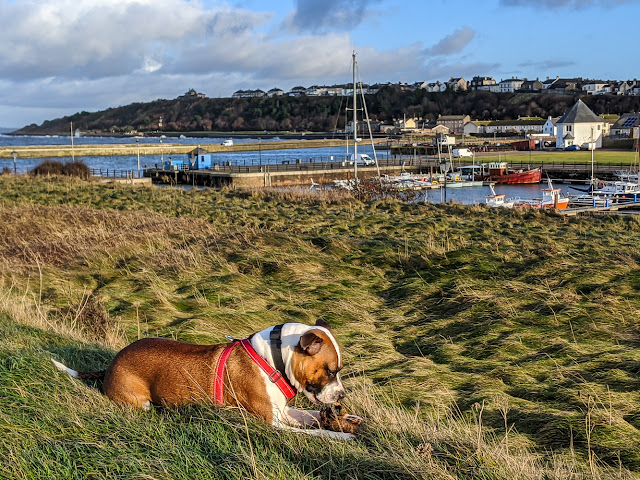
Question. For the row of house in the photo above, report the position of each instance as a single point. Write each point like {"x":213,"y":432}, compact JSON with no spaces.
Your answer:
{"x":313,"y":91}
{"x":557,"y":85}
{"x":576,"y":127}
{"x":489,"y":84}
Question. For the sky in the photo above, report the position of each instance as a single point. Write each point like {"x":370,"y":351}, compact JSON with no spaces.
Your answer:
{"x":59,"y":57}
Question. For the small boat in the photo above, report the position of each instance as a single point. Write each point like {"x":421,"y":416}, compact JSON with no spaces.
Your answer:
{"x":407,"y":180}
{"x":497,"y":200}
{"x":499,"y":173}
{"x":551,"y":198}
{"x":618,"y":189}
{"x":464,"y":176}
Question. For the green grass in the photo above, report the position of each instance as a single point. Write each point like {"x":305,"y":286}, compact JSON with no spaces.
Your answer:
{"x":581,"y":157}
{"x":507,"y":341}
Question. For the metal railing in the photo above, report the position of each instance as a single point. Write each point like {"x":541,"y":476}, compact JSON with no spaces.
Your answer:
{"x":112,"y":173}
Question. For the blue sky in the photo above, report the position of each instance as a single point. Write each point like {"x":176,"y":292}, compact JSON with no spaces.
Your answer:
{"x":64,"y":56}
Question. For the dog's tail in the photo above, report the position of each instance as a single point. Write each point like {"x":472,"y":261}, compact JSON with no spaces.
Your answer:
{"x":80,"y":375}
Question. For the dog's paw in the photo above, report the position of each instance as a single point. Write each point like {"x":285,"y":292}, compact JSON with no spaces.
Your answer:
{"x":341,"y":436}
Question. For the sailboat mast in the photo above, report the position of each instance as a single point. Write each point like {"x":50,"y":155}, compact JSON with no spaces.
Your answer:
{"x":73,"y":157}
{"x":355,"y":124}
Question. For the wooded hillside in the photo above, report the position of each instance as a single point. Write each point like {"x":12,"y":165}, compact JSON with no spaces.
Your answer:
{"x":322,"y":114}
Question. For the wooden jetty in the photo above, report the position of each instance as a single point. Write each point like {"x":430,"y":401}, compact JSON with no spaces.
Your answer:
{"x":604,"y":205}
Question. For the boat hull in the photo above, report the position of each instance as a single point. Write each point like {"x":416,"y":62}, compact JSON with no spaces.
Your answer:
{"x":512,"y":178}
{"x":561,"y":205}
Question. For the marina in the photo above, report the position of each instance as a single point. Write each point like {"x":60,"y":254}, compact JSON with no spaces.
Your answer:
{"x":317,"y":167}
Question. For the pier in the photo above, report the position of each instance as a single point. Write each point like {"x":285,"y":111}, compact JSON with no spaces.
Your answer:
{"x":281,"y":175}
{"x":604,"y":205}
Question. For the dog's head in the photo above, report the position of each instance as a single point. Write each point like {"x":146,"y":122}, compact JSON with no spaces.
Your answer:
{"x":316,"y":364}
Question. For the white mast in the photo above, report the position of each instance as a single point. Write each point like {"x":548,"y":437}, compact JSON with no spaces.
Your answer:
{"x":73,"y":157}
{"x":355,"y":125}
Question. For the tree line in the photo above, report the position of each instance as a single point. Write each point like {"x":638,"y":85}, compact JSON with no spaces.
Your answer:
{"x":323,"y":114}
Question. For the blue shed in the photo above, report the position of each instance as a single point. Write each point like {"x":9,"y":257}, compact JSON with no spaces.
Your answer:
{"x":200,"y":159}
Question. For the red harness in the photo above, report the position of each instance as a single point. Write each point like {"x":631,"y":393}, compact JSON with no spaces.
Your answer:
{"x":274,"y":375}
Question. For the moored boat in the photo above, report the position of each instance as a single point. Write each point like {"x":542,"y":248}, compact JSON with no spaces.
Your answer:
{"x":497,"y":200}
{"x":551,"y":198}
{"x":618,"y":189}
{"x":499,"y":173}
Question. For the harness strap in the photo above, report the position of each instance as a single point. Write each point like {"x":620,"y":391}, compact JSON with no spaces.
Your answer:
{"x":275,"y":338}
{"x":218,"y":381}
{"x":275,"y":376}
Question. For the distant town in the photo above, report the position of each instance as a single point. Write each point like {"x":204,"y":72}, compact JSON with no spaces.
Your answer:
{"x":613,"y":126}
{"x":480,"y":107}
{"x":489,"y":84}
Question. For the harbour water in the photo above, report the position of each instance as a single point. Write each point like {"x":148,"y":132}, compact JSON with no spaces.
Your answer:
{"x":130,"y":162}
{"x":468,"y":195}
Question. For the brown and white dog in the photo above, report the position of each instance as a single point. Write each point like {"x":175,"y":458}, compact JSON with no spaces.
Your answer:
{"x":157,"y":371}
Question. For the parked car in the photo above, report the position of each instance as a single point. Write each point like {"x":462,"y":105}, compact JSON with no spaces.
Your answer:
{"x":572,"y":147}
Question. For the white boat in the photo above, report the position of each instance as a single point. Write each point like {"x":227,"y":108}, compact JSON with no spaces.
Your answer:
{"x":618,"y":189}
{"x":497,"y":200}
{"x":551,"y":198}
{"x":465,"y":176}
{"x":410,"y":181}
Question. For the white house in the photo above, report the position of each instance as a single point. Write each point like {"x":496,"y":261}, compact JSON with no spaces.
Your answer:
{"x":436,"y":87}
{"x":549,"y":127}
{"x":521,"y":125}
{"x":593,"y":87}
{"x":475,"y":127}
{"x":510,"y":85}
{"x":275,"y":92}
{"x":578,"y":126}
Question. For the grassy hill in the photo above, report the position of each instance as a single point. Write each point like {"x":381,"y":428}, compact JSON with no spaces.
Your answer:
{"x":478,"y":343}
{"x":321,"y":114}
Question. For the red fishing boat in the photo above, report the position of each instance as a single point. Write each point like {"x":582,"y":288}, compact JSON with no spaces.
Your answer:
{"x":499,"y":173}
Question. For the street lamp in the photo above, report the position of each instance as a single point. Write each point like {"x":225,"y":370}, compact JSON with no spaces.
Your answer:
{"x":161,"y":149}
{"x":260,"y":152}
{"x":15,"y":156}
{"x":138,"y":144}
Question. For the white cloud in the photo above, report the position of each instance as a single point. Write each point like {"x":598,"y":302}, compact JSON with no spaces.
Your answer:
{"x":67,"y":56}
{"x":453,"y":43}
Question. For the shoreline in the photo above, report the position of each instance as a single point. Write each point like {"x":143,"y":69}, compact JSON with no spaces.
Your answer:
{"x":57,"y":151}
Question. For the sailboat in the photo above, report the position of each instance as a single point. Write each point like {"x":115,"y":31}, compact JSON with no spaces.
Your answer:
{"x":354,"y":184}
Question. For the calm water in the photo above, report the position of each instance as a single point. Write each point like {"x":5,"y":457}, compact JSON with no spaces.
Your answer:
{"x":130,"y":162}
{"x":469,"y":195}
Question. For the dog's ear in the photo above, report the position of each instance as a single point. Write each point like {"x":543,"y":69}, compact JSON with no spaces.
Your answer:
{"x":310,"y":343}
{"x":321,"y":322}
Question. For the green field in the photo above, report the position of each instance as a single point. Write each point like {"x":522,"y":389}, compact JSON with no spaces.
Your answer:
{"x":582,"y":157}
{"x":478,"y":343}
